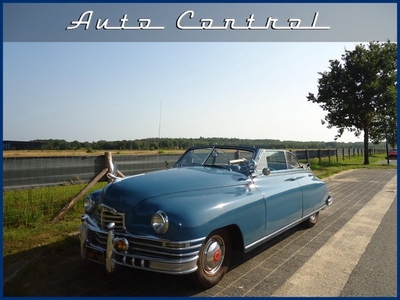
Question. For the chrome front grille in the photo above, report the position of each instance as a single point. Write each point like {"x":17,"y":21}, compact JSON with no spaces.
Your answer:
{"x":144,"y":252}
{"x":106,"y":215}
{"x":150,"y":247}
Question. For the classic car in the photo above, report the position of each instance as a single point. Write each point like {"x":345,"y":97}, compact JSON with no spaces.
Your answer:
{"x":189,"y":218}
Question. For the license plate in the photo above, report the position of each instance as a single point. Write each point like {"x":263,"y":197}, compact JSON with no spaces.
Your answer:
{"x":95,"y":255}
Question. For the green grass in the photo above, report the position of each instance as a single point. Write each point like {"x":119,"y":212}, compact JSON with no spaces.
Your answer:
{"x":27,"y":214}
{"x":326,"y":168}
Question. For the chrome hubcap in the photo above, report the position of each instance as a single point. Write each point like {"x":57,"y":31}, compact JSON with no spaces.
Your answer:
{"x":213,"y":255}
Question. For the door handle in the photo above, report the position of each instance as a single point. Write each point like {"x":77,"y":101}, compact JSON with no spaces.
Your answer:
{"x":296,"y":178}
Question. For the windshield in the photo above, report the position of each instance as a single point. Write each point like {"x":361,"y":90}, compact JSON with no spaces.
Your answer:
{"x":216,"y":157}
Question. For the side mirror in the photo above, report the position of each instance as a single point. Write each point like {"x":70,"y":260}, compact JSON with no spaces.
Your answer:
{"x":266,"y":171}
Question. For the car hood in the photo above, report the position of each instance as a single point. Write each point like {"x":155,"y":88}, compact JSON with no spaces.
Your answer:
{"x":126,"y":193}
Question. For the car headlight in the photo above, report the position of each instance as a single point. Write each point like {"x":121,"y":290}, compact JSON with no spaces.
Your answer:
{"x":160,"y":222}
{"x":89,"y":204}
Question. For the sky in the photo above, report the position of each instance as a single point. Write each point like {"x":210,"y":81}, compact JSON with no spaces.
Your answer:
{"x":126,"y":91}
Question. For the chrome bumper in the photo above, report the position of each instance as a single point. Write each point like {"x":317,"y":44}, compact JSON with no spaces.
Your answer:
{"x":147,"y":253}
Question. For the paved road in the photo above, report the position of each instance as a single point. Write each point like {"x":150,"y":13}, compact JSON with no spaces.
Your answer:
{"x":352,"y":251}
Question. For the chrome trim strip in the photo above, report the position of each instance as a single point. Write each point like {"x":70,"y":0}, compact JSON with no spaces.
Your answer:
{"x":160,"y":266}
{"x":168,"y":254}
{"x":157,"y":259}
{"x":94,"y":227}
{"x":197,"y":245}
{"x":135,"y":249}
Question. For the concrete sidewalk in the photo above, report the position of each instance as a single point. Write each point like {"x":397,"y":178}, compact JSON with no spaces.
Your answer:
{"x":327,"y":272}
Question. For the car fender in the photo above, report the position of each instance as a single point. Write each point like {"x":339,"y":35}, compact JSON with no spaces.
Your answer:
{"x":196,"y":214}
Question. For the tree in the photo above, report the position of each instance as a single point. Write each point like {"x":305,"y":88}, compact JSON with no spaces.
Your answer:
{"x":360,"y":93}
{"x":385,"y":122}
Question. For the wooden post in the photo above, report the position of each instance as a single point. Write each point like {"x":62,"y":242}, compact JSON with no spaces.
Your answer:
{"x":319,"y":156}
{"x":80,"y":195}
{"x":110,"y":168}
{"x":329,"y":155}
{"x":109,"y":164}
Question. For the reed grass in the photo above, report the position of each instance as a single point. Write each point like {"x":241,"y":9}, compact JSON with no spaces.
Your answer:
{"x":33,"y":207}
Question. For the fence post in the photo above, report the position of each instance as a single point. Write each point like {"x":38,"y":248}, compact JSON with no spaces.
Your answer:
{"x":307,"y":156}
{"x":343,"y":153}
{"x":329,"y":155}
{"x":109,"y":168}
{"x":71,"y":203}
{"x":319,"y":156}
{"x":337,"y":155}
{"x":109,"y":164}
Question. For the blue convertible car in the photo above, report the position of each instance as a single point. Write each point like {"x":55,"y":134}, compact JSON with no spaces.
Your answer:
{"x":189,"y":218}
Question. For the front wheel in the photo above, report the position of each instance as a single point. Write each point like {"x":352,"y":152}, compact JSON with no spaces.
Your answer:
{"x":214,"y":258}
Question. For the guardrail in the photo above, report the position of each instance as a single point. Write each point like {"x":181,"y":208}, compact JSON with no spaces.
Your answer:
{"x":31,"y":172}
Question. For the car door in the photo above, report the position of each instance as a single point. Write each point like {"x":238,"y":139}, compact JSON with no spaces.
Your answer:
{"x":282,"y":192}
{"x":313,"y":189}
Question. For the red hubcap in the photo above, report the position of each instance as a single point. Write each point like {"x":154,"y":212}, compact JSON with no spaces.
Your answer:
{"x":217,"y":255}
{"x":213,"y":255}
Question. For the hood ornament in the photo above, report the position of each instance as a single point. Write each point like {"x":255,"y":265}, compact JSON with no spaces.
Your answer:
{"x":112,"y":173}
{"x":112,"y":178}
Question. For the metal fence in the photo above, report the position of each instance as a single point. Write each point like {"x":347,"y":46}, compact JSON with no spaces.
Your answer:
{"x":31,"y":172}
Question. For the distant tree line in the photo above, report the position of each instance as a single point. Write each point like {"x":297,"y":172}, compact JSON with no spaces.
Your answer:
{"x":183,"y":143}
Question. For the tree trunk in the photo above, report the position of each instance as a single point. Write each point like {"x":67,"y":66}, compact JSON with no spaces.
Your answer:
{"x":366,"y":152}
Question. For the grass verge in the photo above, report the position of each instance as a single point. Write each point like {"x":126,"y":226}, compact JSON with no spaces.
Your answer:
{"x":27,"y":216}
{"x":326,"y":168}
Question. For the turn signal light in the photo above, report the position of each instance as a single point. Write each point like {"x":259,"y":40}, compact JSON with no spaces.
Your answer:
{"x":121,"y":244}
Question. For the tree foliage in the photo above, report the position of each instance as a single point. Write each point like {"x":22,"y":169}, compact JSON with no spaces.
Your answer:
{"x":359,"y":93}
